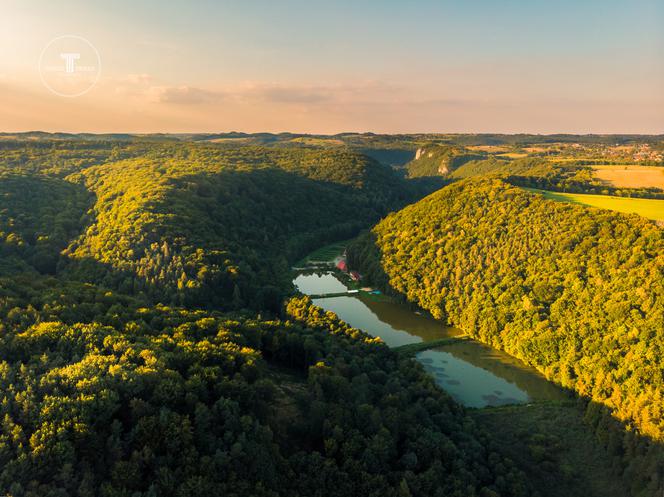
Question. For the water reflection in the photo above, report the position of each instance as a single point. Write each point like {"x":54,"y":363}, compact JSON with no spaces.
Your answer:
{"x":357,"y":314}
{"x":480,"y":386}
{"x":474,"y":374}
{"x":470,"y":385}
{"x":507,"y":367}
{"x":318,"y":283}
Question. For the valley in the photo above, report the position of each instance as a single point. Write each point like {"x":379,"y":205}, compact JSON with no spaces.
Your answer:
{"x":147,"y":288}
{"x":533,"y":420}
{"x":331,"y":249}
{"x":473,"y":374}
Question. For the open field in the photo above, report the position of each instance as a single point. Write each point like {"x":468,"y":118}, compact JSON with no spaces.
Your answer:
{"x":326,"y":253}
{"x":557,"y":159}
{"x":314,"y":141}
{"x":491,"y":149}
{"x":646,"y":207}
{"x":513,"y":155}
{"x":630,"y":176}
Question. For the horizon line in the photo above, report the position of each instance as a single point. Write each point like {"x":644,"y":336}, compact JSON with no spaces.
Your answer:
{"x":194,"y":133}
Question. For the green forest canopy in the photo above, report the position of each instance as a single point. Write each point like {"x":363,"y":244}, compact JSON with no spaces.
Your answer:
{"x":578,"y":293}
{"x":131,"y":365}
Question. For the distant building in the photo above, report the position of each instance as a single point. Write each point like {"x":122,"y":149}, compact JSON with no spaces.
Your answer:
{"x":355,"y":275}
{"x":341,"y":265}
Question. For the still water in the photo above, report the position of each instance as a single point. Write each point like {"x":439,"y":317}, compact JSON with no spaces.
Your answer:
{"x":318,"y":283}
{"x":472,"y":373}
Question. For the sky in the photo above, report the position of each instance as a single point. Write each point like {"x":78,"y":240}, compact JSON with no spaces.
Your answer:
{"x":462,"y":66}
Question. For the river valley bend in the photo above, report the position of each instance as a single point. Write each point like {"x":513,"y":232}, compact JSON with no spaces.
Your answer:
{"x":332,"y":249}
{"x":473,"y":374}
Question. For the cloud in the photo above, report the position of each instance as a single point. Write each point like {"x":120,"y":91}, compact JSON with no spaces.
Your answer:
{"x":137,"y":79}
{"x":132,"y":85}
{"x":184,"y":95}
{"x":294,"y":94}
{"x":143,"y":89}
{"x":317,"y":94}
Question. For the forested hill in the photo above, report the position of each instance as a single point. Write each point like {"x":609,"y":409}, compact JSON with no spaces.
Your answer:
{"x":123,"y":373}
{"x":576,"y":292}
{"x":200,"y":225}
{"x":439,"y":160}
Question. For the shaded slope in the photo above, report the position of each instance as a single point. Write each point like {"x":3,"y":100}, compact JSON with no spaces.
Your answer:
{"x":39,"y":215}
{"x":207,"y":227}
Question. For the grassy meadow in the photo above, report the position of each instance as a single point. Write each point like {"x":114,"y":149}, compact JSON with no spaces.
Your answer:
{"x":326,"y":253}
{"x":646,"y":207}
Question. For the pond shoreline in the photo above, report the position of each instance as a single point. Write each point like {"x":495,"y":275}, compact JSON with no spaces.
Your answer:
{"x":473,"y":373}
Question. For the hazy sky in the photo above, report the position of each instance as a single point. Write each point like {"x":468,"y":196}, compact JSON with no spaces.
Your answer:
{"x":583,"y":66}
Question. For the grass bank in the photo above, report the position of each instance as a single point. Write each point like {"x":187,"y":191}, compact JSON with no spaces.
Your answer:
{"x":414,"y":348}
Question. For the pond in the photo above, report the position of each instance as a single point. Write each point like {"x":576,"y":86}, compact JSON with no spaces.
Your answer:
{"x":318,"y":283}
{"x":472,"y":373}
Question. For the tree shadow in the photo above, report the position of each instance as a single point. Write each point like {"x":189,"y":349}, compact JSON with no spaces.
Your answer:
{"x":226,"y":239}
{"x":39,"y":216}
